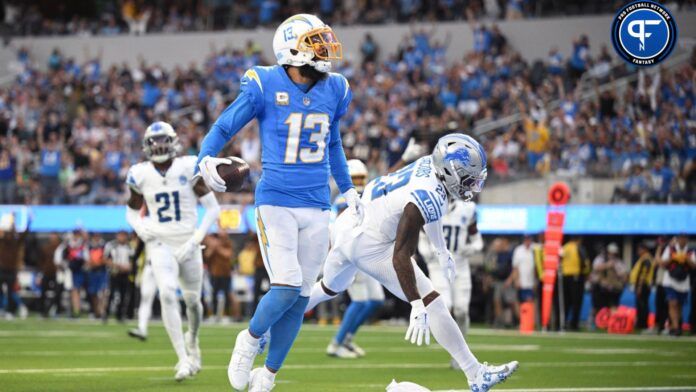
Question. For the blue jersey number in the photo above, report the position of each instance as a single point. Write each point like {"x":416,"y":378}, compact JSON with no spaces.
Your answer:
{"x":166,"y":204}
{"x":449,"y":231}
{"x":396,"y":180}
{"x":318,"y":126}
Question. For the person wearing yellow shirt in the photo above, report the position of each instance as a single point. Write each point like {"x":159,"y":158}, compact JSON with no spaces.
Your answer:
{"x":678,"y":259}
{"x":537,"y":134}
{"x":641,"y":279}
{"x":574,"y":268}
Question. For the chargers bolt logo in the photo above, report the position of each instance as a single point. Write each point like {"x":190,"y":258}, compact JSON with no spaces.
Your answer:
{"x":644,"y":33}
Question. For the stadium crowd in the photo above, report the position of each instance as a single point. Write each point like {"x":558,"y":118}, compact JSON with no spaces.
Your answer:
{"x":69,"y":130}
{"x":140,"y":17}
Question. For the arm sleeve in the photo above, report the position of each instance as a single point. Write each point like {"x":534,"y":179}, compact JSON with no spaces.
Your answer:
{"x":236,"y":116}
{"x":212,"y":210}
{"x":337,"y":160}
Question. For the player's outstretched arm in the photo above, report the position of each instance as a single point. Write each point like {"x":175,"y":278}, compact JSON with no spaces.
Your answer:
{"x":339,"y":171}
{"x":406,"y":241}
{"x":405,"y":246}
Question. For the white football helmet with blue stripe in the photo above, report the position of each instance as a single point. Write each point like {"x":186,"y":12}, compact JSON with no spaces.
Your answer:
{"x":160,"y":142}
{"x":303,"y":39}
{"x":460,"y":163}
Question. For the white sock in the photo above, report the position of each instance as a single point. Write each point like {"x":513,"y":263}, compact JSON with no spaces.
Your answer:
{"x":318,"y":295}
{"x":268,"y":374}
{"x":144,"y":311}
{"x":446,"y":331}
{"x":172,"y":323}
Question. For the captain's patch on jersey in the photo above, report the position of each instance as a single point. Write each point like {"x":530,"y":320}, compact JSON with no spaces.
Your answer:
{"x":427,"y":204}
{"x":282,"y":98}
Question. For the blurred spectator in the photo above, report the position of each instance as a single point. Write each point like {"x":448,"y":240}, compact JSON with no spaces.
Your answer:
{"x":641,"y":280}
{"x":660,"y":182}
{"x":72,"y":254}
{"x":609,"y":275}
{"x":8,"y":174}
{"x":369,"y":50}
{"x":11,"y":248}
{"x":96,"y":275}
{"x":524,"y":273}
{"x":218,"y":254}
{"x":49,"y":282}
{"x":574,"y":269}
{"x":678,"y":259}
{"x":117,"y":255}
{"x":634,"y":189}
{"x":661,"y":311}
{"x":537,"y":136}
{"x":49,"y":169}
{"x":500,"y":268}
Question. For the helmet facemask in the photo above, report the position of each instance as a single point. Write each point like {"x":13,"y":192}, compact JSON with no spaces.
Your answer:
{"x":161,"y":148}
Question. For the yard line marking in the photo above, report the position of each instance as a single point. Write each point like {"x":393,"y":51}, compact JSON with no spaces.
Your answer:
{"x":590,"y":389}
{"x":344,"y":365}
{"x":56,"y":334}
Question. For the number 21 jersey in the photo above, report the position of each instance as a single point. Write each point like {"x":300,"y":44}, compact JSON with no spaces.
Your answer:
{"x":171,"y":202}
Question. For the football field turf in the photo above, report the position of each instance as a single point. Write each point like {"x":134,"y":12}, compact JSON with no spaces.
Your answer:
{"x":37,"y":355}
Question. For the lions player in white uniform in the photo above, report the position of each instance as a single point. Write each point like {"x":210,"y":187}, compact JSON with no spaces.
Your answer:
{"x":397,"y":206}
{"x":165,"y":185}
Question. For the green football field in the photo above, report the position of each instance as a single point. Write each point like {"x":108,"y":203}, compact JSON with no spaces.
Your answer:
{"x":37,"y":355}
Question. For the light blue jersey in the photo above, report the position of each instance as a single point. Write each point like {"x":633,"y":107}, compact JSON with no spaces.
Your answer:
{"x":300,"y":137}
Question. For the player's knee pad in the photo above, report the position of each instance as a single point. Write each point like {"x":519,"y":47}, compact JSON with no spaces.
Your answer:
{"x":168,"y":297}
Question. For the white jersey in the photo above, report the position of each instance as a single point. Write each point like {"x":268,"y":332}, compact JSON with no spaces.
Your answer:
{"x":455,"y":227}
{"x":171,"y":202}
{"x":386,"y":197}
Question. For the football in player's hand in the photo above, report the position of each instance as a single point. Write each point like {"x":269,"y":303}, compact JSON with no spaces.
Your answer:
{"x":235,"y":174}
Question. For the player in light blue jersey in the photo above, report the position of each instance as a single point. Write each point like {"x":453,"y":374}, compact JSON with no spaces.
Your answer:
{"x":298,"y":104}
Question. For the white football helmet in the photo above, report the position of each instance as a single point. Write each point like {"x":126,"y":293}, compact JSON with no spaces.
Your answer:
{"x":160,"y":142}
{"x":358,"y":173}
{"x":460,"y":163}
{"x":303,"y":39}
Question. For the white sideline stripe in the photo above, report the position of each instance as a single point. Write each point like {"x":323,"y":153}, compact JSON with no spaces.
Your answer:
{"x":344,"y":365}
{"x":591,"y":389}
{"x":56,"y":334}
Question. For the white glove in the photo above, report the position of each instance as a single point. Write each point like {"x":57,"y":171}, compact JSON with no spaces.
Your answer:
{"x":208,"y":169}
{"x":185,"y":251}
{"x":355,"y":205}
{"x":448,"y":266}
{"x":413,"y":151}
{"x":418,"y":326}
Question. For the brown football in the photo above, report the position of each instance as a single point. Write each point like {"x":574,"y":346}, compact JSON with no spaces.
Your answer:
{"x":235,"y":174}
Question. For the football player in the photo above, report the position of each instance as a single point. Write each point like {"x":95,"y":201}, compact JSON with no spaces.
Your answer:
{"x":298,"y":104}
{"x":463,"y":240}
{"x":148,"y":290}
{"x":165,"y":184}
{"x":365,"y":293}
{"x":397,"y":206}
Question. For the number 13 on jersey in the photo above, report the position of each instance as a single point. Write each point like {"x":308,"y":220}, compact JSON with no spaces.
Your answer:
{"x":318,"y":126}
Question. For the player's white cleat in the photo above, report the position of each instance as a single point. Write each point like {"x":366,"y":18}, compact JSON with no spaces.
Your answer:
{"x":184,"y":369}
{"x":405,"y":386}
{"x":340,"y":351}
{"x":245,"y":350}
{"x":194,"y":352}
{"x":136,"y":333}
{"x":261,"y":380}
{"x":488,"y":376}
